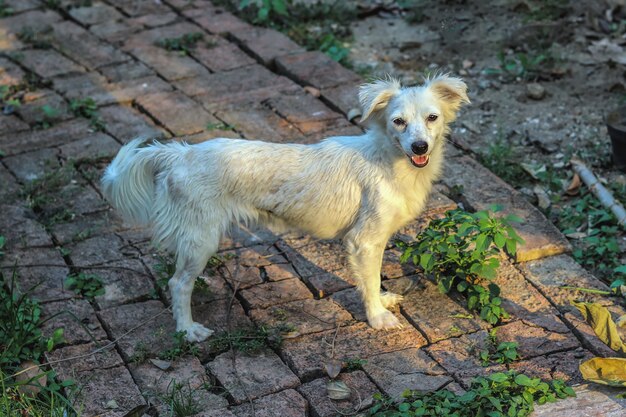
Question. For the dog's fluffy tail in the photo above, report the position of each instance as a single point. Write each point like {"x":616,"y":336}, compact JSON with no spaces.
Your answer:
{"x":128,"y":183}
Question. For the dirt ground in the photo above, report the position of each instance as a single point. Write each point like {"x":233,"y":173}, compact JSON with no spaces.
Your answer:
{"x":542,"y":76}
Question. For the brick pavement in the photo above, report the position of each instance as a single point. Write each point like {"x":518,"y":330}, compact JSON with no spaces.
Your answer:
{"x":248,"y":82}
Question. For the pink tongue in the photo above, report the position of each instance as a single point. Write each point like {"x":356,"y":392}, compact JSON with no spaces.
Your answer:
{"x":420,"y":159}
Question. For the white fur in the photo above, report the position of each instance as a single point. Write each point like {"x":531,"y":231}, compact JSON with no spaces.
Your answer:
{"x":358,"y":188}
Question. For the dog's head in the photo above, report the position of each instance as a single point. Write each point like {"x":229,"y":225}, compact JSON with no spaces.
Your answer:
{"x":416,"y":118}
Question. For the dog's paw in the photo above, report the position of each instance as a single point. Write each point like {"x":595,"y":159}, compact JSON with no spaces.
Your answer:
{"x":197,"y":332}
{"x":384,"y":320}
{"x":390,"y":299}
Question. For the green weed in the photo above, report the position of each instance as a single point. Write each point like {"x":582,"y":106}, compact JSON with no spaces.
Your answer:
{"x":219,"y":126}
{"x":5,"y":9}
{"x":45,"y":195}
{"x":50,"y":402}
{"x":413,"y":9}
{"x":503,"y":352}
{"x":501,"y":158}
{"x":247,"y":340}
{"x":48,"y":117}
{"x":141,"y":353}
{"x":320,"y":25}
{"x":21,"y":340}
{"x":267,"y":10}
{"x":180,"y":400}
{"x":460,"y":250}
{"x":524,"y":65}
{"x":181,"y":348}
{"x":88,"y":109}
{"x":37,"y":39}
{"x":88,"y":285}
{"x":355,"y":364}
{"x":183,"y":44}
{"x":546,"y":10}
{"x":498,"y":395}
{"x":20,"y":336}
{"x":598,"y":250}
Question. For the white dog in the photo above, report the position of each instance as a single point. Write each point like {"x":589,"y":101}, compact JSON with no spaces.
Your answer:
{"x":358,"y":188}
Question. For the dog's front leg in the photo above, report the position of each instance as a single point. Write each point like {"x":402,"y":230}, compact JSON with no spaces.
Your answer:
{"x":366,"y":260}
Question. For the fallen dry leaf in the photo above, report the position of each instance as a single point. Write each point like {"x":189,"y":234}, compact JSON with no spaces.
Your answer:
{"x":332,"y":367}
{"x":574,"y":186}
{"x":32,"y":380}
{"x":605,"y":371}
{"x":338,"y":390}
{"x":312,"y":91}
{"x":600,"y":320}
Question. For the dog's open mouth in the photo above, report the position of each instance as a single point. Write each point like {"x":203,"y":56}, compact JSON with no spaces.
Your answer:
{"x":419,"y":161}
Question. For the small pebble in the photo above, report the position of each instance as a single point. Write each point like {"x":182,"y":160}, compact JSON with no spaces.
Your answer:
{"x":535,"y":91}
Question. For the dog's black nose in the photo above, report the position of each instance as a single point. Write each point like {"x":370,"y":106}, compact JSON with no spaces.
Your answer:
{"x":420,"y":147}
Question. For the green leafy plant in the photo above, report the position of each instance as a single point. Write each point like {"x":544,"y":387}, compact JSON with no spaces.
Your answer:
{"x":5,"y":9}
{"x":522,"y":64}
{"x":546,"y":10}
{"x":461,"y":250}
{"x":47,"y":194}
{"x":141,"y":353}
{"x":267,"y":10}
{"x":50,"y":402}
{"x":501,"y":158}
{"x":355,"y":364}
{"x":88,"y":109}
{"x":598,"y":247}
{"x":503,"y":352}
{"x":219,"y":126}
{"x":498,"y":395}
{"x":413,"y":10}
{"x":320,"y":25}
{"x":21,"y":341}
{"x":183,"y":44}
{"x":181,"y":348}
{"x":21,"y":338}
{"x":88,"y":285}
{"x":38,"y":39}
{"x":48,"y":116}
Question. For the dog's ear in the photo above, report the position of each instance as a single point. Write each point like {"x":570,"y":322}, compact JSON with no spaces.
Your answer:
{"x":452,"y":91}
{"x":375,"y":96}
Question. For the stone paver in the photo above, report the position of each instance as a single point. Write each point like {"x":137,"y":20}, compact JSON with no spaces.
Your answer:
{"x":286,"y":403}
{"x":177,"y":112}
{"x":254,"y":83}
{"x":94,"y":375}
{"x":151,"y":339}
{"x":265,"y":45}
{"x":248,"y":377}
{"x":76,"y":317}
{"x":304,"y":316}
{"x":412,"y":369}
{"x":273,"y":293}
{"x":591,"y":401}
{"x":306,"y":355}
{"x":187,"y":372}
{"x":316,"y":69}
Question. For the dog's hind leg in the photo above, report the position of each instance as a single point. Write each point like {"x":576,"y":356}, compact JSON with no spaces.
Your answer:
{"x":189,"y":265}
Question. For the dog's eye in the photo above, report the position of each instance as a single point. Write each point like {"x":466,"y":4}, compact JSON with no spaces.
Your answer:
{"x":399,"y":121}
{"x":432,"y":117}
